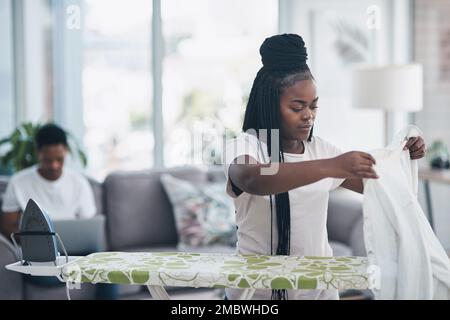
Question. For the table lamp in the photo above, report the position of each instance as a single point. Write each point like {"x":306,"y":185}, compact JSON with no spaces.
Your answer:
{"x":388,"y":87}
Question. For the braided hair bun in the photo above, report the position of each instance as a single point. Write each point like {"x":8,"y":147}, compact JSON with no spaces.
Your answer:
{"x":284,"y":52}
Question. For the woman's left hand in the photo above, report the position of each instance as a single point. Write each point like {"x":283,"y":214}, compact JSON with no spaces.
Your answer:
{"x":417,"y":147}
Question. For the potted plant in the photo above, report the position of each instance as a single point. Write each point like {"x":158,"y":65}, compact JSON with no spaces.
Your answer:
{"x":22,"y":151}
{"x":438,"y":155}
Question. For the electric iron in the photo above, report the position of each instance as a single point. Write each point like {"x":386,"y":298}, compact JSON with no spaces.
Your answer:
{"x":37,"y":236}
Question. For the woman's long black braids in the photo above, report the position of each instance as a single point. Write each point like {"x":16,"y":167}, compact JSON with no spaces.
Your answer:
{"x":284,"y":63}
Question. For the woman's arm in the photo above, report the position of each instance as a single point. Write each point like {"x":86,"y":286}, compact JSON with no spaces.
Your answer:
{"x":353,"y":185}
{"x":247,"y":177}
{"x":417,"y":150}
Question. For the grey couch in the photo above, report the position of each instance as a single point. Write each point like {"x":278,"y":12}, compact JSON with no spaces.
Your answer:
{"x":139,"y":217}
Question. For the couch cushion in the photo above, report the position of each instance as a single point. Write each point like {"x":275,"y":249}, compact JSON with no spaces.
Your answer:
{"x":344,"y":210}
{"x":216,"y":173}
{"x":357,"y":239}
{"x":340,"y":249}
{"x":204,"y":213}
{"x":207,"y":249}
{"x":97,"y":189}
{"x":138,"y":210}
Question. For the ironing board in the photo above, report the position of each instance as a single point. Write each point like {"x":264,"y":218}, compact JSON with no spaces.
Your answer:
{"x":211,"y":270}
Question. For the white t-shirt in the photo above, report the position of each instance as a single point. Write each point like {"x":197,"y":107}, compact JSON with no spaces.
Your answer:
{"x":308,"y":204}
{"x":69,"y":197}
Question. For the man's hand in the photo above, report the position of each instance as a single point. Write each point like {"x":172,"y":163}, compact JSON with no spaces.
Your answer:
{"x":9,"y":223}
{"x":417,"y":147}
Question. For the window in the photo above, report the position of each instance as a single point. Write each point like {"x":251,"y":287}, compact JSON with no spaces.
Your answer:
{"x":6,"y":69}
{"x":117,"y":85}
{"x":211,"y":60}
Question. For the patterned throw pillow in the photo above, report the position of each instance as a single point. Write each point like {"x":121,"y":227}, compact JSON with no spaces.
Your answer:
{"x":204,"y":214}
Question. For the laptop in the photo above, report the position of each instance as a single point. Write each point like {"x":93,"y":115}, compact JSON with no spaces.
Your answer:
{"x":81,"y":236}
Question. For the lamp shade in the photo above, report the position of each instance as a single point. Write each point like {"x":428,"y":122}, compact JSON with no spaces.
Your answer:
{"x":388,"y":87}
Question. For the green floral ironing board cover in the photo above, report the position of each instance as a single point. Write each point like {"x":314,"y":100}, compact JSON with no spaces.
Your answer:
{"x":216,"y":270}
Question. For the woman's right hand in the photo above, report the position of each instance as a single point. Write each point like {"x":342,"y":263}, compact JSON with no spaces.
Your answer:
{"x":353,"y":164}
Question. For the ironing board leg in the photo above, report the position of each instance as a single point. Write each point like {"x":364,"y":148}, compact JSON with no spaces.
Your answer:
{"x":158,"y":293}
{"x":247,"y":294}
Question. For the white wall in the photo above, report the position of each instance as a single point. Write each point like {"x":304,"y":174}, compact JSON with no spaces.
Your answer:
{"x":432,"y":49}
{"x":338,"y":122}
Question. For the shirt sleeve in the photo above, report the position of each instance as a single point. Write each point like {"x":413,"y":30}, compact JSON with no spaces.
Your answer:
{"x":87,"y":202}
{"x":332,"y":152}
{"x":10,"y":202}
{"x":244,"y":144}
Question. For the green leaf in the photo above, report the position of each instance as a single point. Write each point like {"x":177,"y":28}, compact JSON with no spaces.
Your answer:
{"x":280,"y":283}
{"x":140,"y":277}
{"x":16,"y":134}
{"x":270,"y":264}
{"x":255,"y":260}
{"x":256,"y":267}
{"x":340,"y":268}
{"x":20,"y":159}
{"x":7,"y":158}
{"x":82,"y":157}
{"x":243,"y":284}
{"x":317,"y":258}
{"x":306,"y":283}
{"x":4,"y":140}
{"x":343,"y":259}
{"x":118,"y":277}
{"x":314,"y":274}
{"x":232,"y":277}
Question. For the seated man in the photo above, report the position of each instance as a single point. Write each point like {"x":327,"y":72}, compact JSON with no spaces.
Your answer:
{"x":62,"y":193}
